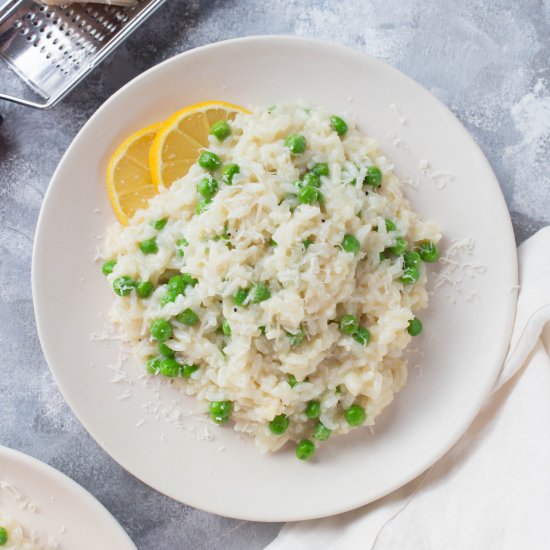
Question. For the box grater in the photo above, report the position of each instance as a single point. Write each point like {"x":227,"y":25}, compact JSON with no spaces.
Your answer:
{"x":52,"y":48}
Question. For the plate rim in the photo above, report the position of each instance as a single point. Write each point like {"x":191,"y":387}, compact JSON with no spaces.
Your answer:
{"x":65,"y":482}
{"x":511,"y":250}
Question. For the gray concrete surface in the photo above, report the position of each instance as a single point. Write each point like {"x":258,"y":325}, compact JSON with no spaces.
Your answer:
{"x":487,"y":60}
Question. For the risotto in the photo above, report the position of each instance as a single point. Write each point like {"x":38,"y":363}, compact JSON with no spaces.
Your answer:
{"x":12,"y":536}
{"x":279,"y":280}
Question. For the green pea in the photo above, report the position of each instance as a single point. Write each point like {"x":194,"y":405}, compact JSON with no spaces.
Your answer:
{"x":321,"y":169}
{"x":188,"y":317}
{"x":160,"y":329}
{"x":188,"y":370}
{"x":415,"y":327}
{"x":355,"y":415}
{"x":220,"y":129}
{"x":410,"y":275}
{"x":309,"y":194}
{"x":321,"y":432}
{"x":169,"y":367}
{"x":338,"y":125}
{"x":189,"y":280}
{"x":311,"y":179}
{"x":390,"y":225}
{"x":279,"y":424}
{"x":240,"y":296}
{"x":373,"y":177}
{"x":228,"y":173}
{"x":304,"y":449}
{"x":153,"y":365}
{"x":123,"y":285}
{"x":220,"y":411}
{"x":160,"y":224}
{"x":209,"y":160}
{"x":296,"y":339}
{"x":168,"y":297}
{"x":208,"y":187}
{"x":295,"y":143}
{"x":226,"y":328}
{"x":144,"y":289}
{"x":165,"y":351}
{"x":202,"y":206}
{"x":313,"y":409}
{"x":349,"y":324}
{"x":399,"y":247}
{"x":292,"y":380}
{"x":351,"y":244}
{"x":429,"y":252}
{"x":362,"y":336}
{"x":260,"y":293}
{"x":149,"y":246}
{"x":3,"y":536}
{"x":108,"y":267}
{"x":177,"y":284}
{"x":411,"y":259}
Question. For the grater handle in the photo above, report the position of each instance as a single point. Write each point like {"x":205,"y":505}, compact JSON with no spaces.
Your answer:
{"x":27,"y":103}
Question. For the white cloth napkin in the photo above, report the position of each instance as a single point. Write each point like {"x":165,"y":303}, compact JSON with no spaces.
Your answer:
{"x":492,"y":489}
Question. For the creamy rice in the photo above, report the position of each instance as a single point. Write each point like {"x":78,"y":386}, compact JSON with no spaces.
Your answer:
{"x":16,"y":536}
{"x":230,"y":246}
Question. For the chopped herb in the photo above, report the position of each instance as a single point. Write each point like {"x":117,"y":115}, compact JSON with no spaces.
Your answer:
{"x":226,"y":236}
{"x":226,"y":328}
{"x":296,"y":339}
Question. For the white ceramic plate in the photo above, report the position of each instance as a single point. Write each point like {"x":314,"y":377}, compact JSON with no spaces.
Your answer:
{"x":467,"y":327}
{"x":51,"y":505}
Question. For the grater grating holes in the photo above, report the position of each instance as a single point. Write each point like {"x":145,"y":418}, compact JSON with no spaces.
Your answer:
{"x":65,"y":39}
{"x":81,"y":40}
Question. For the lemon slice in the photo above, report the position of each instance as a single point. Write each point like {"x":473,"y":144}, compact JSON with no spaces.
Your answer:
{"x":129,"y":181}
{"x":179,"y":140}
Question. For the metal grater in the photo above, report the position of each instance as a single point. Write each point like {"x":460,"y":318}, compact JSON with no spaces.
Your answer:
{"x":52,"y":48}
